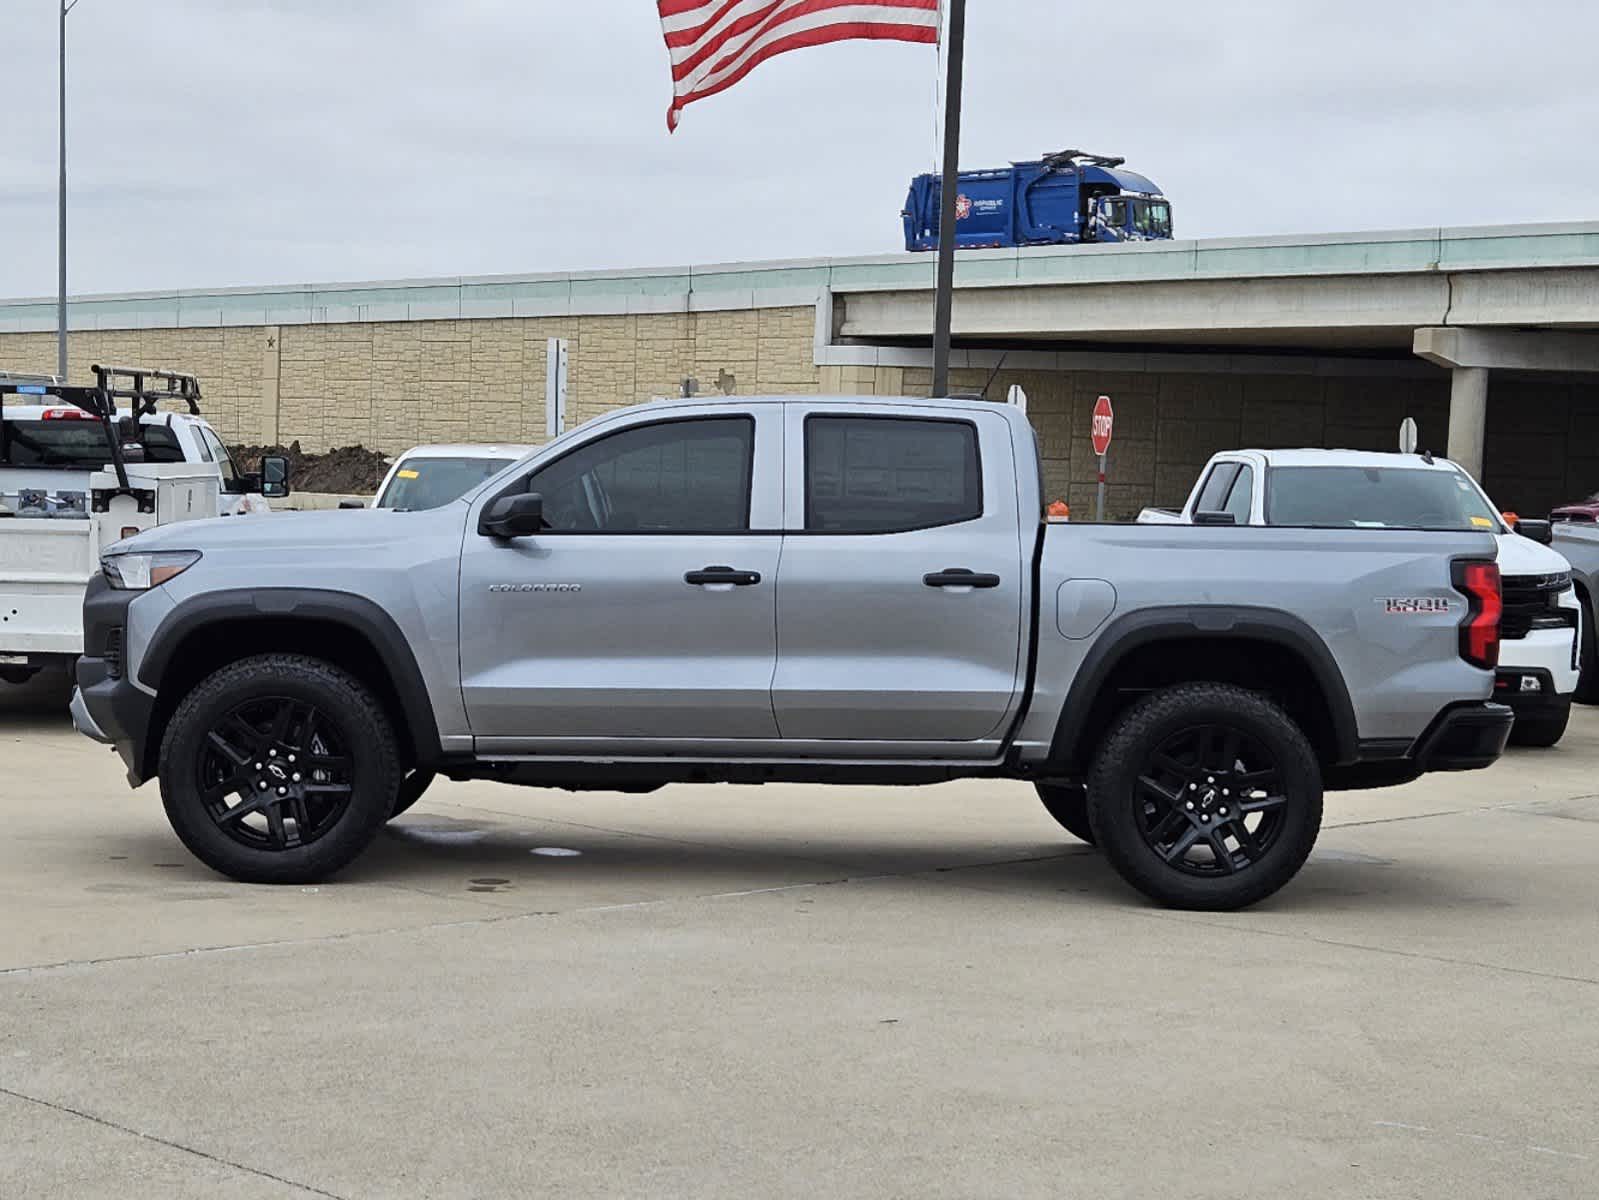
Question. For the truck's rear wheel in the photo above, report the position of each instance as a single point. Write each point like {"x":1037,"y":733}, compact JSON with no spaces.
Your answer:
{"x":1068,"y":804}
{"x":278,"y":769}
{"x":1206,"y":796}
{"x":1588,"y":660}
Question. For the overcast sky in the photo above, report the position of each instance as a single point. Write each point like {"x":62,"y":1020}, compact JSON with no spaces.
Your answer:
{"x":285,"y":141}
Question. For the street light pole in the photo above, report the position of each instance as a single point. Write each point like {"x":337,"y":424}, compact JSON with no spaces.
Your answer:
{"x":61,"y":216}
{"x":944,"y":292}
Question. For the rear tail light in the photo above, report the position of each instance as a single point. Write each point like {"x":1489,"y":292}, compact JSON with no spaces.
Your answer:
{"x":1479,"y":631}
{"x":66,"y":414}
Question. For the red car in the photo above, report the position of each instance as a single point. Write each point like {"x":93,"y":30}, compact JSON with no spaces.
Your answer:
{"x":1584,"y":511}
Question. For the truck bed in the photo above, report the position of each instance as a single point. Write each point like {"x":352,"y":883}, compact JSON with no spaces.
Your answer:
{"x":1328,"y":589}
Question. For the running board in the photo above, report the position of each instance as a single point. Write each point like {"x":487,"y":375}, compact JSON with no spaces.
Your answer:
{"x":644,"y":774}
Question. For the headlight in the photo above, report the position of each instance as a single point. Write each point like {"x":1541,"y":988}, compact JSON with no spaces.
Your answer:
{"x":141,"y":572}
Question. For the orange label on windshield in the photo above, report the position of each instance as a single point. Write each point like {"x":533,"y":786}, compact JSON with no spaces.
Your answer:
{"x":413,"y":475}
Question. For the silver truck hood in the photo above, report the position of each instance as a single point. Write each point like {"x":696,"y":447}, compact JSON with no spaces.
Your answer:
{"x":352,"y":530}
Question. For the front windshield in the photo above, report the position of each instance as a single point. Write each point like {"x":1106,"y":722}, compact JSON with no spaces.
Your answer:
{"x":433,"y":482}
{"x":1152,"y":218}
{"x":1376,"y":498}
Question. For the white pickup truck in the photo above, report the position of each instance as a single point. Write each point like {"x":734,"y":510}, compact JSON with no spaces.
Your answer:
{"x":78,"y":473}
{"x":1541,"y":625}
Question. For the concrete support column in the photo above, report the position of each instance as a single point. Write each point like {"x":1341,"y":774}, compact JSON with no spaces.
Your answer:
{"x":1468,"y":417}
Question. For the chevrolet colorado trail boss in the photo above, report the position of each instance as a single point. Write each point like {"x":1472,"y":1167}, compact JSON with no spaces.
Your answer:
{"x":823,"y":590}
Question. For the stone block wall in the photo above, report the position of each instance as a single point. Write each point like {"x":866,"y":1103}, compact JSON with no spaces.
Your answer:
{"x":391,"y":385}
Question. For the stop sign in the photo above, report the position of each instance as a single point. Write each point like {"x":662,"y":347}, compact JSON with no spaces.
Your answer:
{"x":1104,"y":415}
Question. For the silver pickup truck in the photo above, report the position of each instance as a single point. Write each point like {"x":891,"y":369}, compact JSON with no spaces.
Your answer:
{"x":815,"y":589}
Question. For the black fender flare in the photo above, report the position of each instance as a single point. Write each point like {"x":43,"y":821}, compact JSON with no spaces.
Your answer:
{"x":1217,"y":622}
{"x":359,"y":615}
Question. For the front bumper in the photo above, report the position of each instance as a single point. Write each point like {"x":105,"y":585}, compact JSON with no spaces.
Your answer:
{"x":1548,"y":655}
{"x":106,"y":706}
{"x":84,"y":722}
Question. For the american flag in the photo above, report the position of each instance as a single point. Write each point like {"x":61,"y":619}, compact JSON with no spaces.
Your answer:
{"x":715,"y":43}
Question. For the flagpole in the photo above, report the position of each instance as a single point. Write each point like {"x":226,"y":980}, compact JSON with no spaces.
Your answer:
{"x":944,"y":298}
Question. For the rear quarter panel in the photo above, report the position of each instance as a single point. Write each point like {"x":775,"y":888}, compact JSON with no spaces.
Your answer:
{"x":1399,"y":663}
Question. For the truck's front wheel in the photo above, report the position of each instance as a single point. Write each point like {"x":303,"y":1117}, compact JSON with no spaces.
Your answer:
{"x":1206,"y":796}
{"x":279,"y":769}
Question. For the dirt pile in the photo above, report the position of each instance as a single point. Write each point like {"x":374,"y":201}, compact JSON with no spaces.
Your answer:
{"x":352,"y":470}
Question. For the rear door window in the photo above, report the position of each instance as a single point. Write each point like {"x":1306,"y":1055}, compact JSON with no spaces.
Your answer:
{"x":890,"y":474}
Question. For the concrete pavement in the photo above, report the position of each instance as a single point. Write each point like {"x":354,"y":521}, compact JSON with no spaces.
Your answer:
{"x":787,"y":991}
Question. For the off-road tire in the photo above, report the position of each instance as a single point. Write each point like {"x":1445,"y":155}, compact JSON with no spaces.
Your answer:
{"x":416,"y":782}
{"x":1588,"y":660}
{"x":1542,"y":730}
{"x":344,"y":703}
{"x":1068,"y":804}
{"x":1116,"y":804}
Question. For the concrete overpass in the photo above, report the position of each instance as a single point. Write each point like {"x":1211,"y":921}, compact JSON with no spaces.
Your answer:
{"x":1522,"y":299}
{"x":1488,"y":336}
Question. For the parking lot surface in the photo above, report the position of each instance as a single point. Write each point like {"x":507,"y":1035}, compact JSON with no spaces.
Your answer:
{"x":790,"y":991}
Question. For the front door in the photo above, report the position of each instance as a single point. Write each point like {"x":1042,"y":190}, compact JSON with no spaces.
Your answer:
{"x":646,"y":611}
{"x":901,"y":591}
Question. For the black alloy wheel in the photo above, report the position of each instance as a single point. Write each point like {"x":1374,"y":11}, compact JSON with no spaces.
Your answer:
{"x":1205,"y":796}
{"x":274,"y":774}
{"x":1212,"y":800}
{"x":279,"y":768}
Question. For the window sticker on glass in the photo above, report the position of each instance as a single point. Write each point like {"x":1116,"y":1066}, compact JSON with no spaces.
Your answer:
{"x":408,"y":474}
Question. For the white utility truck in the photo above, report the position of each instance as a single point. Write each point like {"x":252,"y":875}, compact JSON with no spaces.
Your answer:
{"x":82,"y":467}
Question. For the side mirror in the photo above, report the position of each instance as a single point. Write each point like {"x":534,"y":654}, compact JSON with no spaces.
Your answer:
{"x":513,"y":516}
{"x":274,"y":476}
{"x":1208,"y":517}
{"x":1539,"y":531}
{"x":352,"y":502}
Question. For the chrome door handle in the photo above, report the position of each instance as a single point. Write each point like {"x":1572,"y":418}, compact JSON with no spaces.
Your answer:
{"x":713,"y":575}
{"x":951,"y":577}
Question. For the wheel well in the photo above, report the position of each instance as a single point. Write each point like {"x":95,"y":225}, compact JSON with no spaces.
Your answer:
{"x":1584,"y":598}
{"x":215,"y":645}
{"x":1259,"y":664}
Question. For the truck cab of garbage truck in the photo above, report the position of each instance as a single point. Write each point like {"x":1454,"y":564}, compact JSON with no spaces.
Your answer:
{"x":1124,"y":217}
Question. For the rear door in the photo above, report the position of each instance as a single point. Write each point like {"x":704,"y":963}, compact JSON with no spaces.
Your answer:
{"x":899,"y":601}
{"x":646,"y":612}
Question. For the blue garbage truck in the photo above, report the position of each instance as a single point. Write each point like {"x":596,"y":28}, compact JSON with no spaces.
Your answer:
{"x":1059,"y":200}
